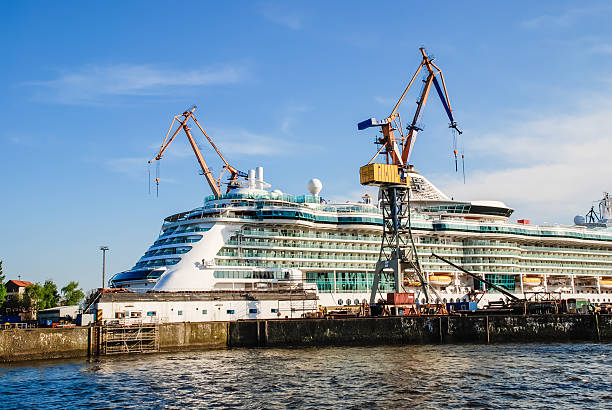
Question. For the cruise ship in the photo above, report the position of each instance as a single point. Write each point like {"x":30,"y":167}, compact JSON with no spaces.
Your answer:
{"x":260,"y":253}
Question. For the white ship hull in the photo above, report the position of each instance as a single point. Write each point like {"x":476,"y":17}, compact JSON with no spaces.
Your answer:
{"x":253,"y":240}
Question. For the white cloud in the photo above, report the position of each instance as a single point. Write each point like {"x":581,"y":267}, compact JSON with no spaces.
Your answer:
{"x":240,"y":142}
{"x":549,"y":169}
{"x":565,"y":19}
{"x":385,"y":101}
{"x":279,"y":13}
{"x":290,"y":116}
{"x":92,"y":84}
{"x":604,"y":48}
{"x":135,"y":168}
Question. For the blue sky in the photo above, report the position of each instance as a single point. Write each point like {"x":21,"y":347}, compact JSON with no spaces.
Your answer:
{"x":87,"y":91}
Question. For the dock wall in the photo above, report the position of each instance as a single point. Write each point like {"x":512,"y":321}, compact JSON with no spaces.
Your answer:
{"x":193,"y":335}
{"x":420,"y":330}
{"x":32,"y":344}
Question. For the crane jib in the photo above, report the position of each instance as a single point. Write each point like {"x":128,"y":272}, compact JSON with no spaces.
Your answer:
{"x":443,"y":99}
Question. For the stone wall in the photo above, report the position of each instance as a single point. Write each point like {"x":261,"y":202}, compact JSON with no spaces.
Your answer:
{"x":192,"y":335}
{"x":421,"y":329}
{"x":32,"y":344}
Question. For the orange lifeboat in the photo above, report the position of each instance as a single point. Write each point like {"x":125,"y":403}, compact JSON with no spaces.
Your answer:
{"x":531,"y":281}
{"x":440,"y":279}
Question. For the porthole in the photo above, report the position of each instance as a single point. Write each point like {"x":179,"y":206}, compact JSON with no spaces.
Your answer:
{"x":356,"y":301}
{"x":340,"y":302}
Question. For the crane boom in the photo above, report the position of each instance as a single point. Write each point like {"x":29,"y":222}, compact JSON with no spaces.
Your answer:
{"x":400,"y":154}
{"x":215,"y":184}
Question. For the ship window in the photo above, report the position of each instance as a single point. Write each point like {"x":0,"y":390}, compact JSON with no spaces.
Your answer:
{"x":119,"y":315}
{"x":356,"y":301}
{"x":252,"y":310}
{"x":274,"y":310}
{"x":340,"y":302}
{"x":180,"y":312}
{"x":151,"y":313}
{"x":230,"y":311}
{"x":204,"y":311}
{"x":136,"y":314}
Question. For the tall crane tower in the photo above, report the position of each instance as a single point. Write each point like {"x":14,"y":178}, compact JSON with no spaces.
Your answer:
{"x":214,"y":183}
{"x":398,"y":251}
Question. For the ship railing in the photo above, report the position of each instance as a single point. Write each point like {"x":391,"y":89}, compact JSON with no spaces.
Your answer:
{"x":290,"y":235}
{"x":19,"y":325}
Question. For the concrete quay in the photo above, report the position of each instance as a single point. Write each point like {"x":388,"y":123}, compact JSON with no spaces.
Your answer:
{"x":34,"y":344}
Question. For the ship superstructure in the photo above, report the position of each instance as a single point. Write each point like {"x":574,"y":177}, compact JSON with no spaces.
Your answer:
{"x":252,"y":252}
{"x":256,"y":240}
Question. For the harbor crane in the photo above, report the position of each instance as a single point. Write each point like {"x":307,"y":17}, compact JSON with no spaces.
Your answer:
{"x":214,"y":183}
{"x":398,"y":251}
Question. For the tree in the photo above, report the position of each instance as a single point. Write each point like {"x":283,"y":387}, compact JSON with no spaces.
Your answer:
{"x":50,"y":294}
{"x":37,"y":296}
{"x":2,"y":286}
{"x":33,"y":297}
{"x":72,"y":294}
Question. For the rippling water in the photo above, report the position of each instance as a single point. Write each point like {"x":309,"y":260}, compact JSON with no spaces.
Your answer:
{"x":459,"y":376}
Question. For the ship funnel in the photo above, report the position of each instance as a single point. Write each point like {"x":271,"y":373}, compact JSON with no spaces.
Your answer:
{"x":259,"y":178}
{"x":251,"y":178}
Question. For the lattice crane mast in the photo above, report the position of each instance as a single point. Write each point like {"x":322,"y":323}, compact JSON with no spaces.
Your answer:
{"x":398,"y":251}
{"x":214,"y":183}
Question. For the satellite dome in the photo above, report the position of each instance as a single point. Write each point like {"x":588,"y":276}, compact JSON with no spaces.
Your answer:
{"x":579,"y":220}
{"x":315,"y":186}
{"x":277,"y":191}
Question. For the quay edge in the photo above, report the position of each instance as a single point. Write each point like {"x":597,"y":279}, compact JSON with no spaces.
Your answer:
{"x":35,"y":344}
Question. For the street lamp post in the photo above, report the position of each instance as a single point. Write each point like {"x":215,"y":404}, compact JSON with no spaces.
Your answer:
{"x":103,"y":249}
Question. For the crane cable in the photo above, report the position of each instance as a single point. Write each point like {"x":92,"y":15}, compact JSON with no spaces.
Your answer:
{"x":157,"y":179}
{"x":149,"y":175}
{"x":454,"y":133}
{"x":458,"y":149}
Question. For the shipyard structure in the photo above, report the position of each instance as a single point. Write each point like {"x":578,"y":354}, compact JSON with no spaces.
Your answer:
{"x":255,"y":253}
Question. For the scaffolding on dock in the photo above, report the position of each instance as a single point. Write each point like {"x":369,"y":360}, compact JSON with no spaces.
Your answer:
{"x":129,"y":339}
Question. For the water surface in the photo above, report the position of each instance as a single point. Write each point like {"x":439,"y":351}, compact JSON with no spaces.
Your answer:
{"x":433,"y":376}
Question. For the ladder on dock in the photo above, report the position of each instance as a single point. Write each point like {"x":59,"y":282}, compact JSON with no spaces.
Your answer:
{"x":129,"y":339}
